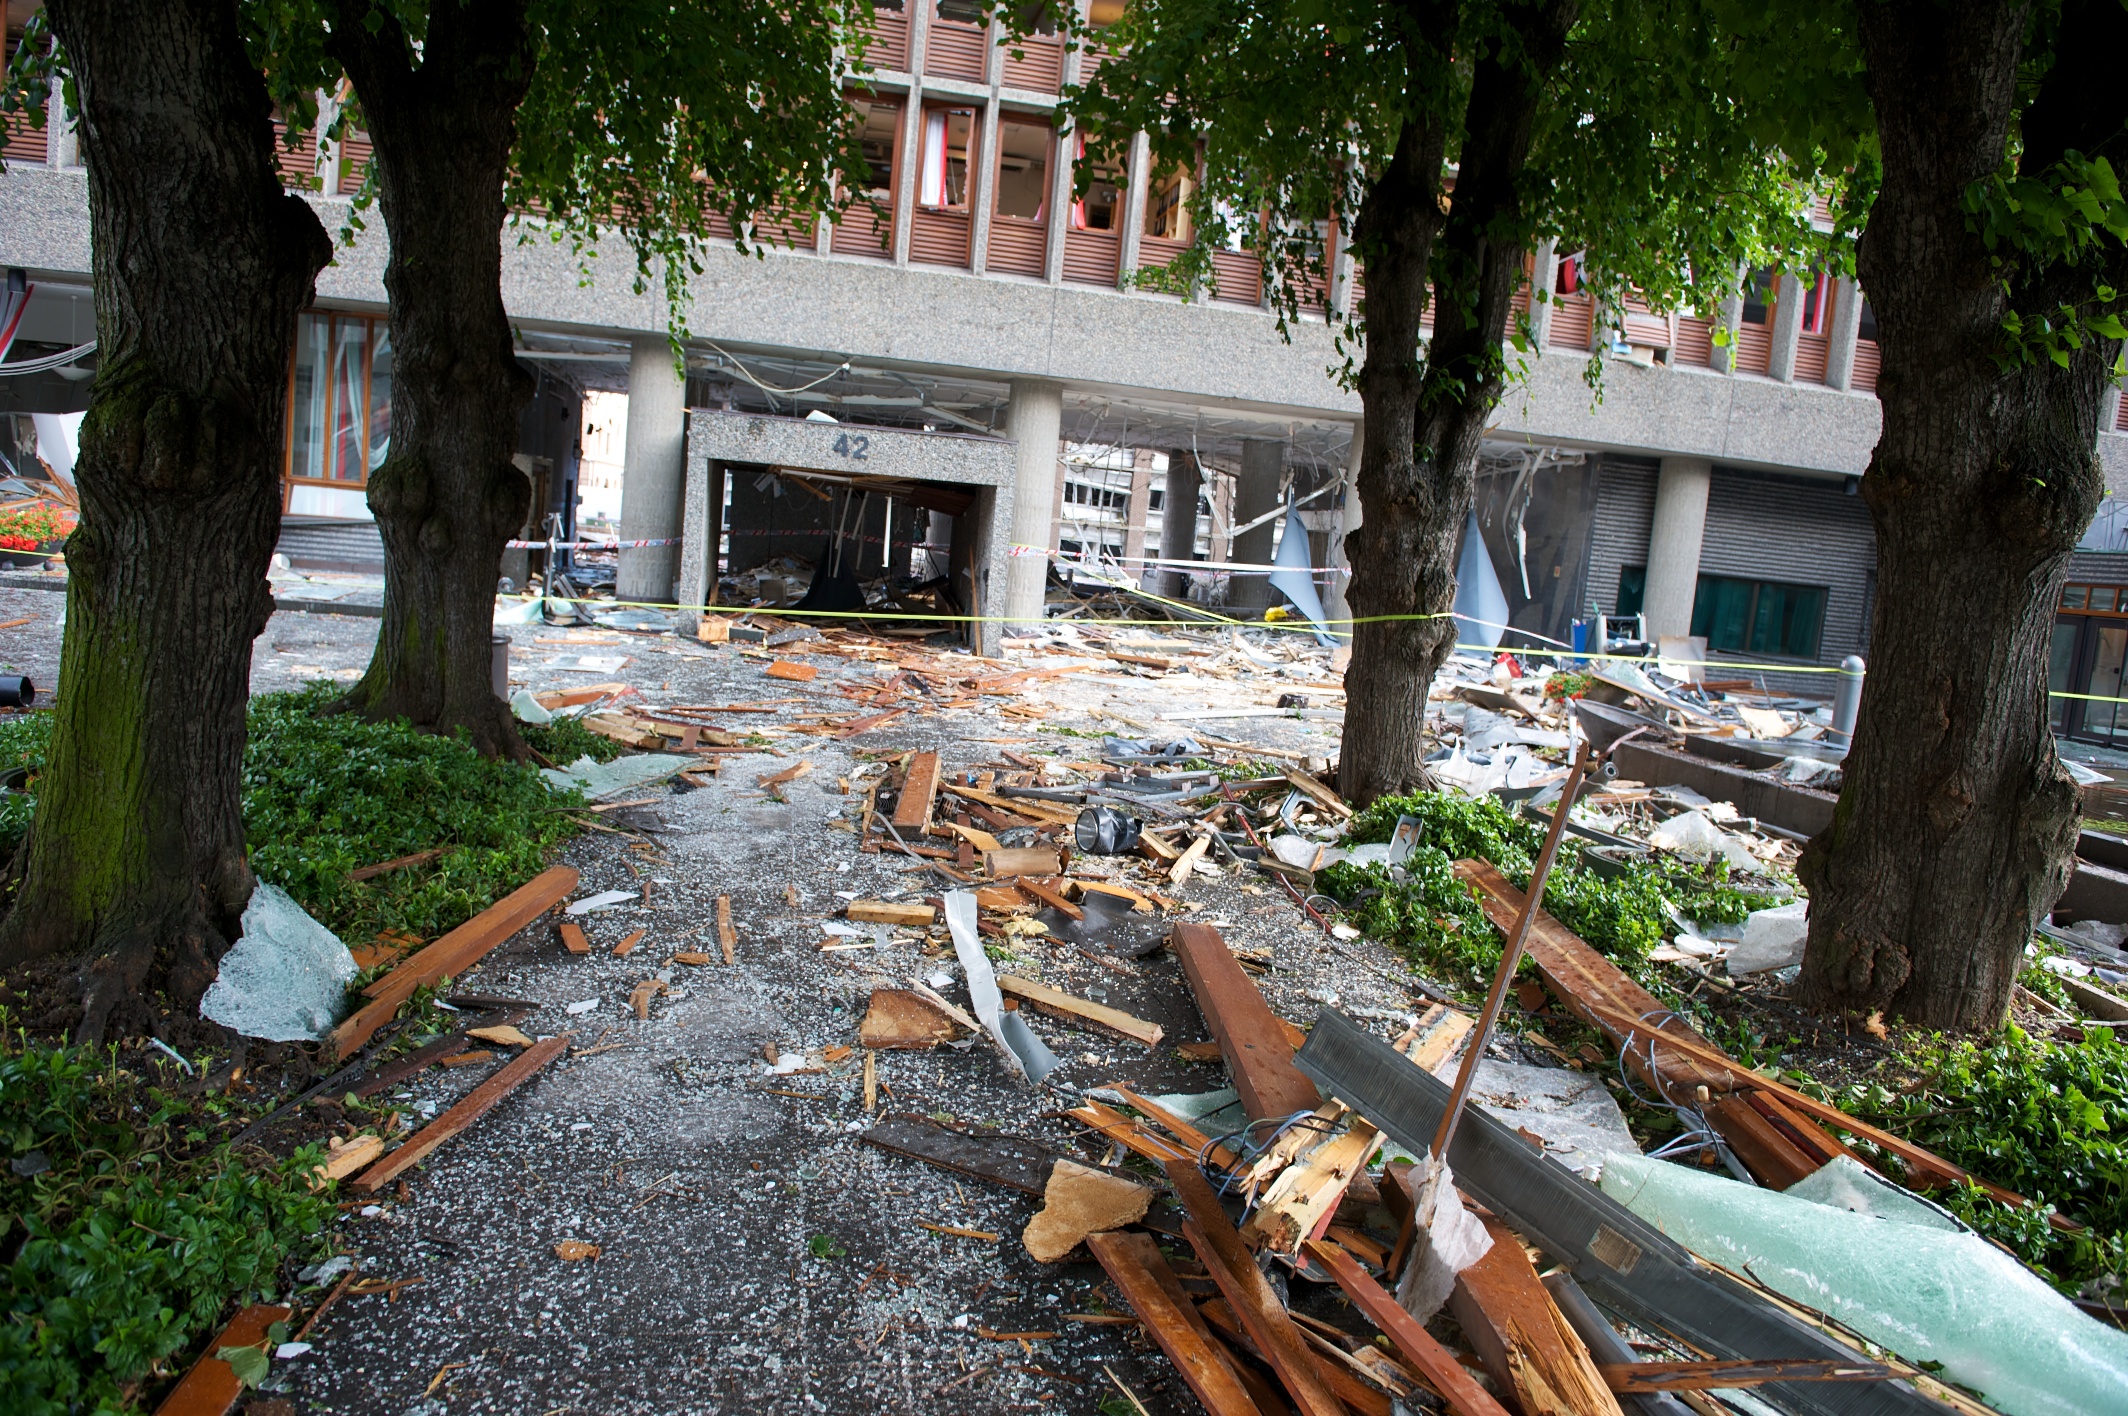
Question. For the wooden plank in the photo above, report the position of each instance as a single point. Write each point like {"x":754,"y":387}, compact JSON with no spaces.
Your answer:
{"x":383,"y":867}
{"x":1306,"y":1192}
{"x":1051,"y":898}
{"x":1051,"y":1000}
{"x":574,"y":939}
{"x":1336,"y":1376}
{"x":727,"y":937}
{"x":1180,"y":1129}
{"x":1269,"y":1400}
{"x":1029,"y":809}
{"x":887,"y":912}
{"x":627,"y":945}
{"x":1128,"y":1133}
{"x":1187,"y":1344}
{"x":1018,"y":862}
{"x":979,"y":840}
{"x":1012,"y":1161}
{"x":477,"y":1103}
{"x":211,"y":1387}
{"x":1251,"y":1038}
{"x":1435,"y":1363}
{"x":1516,"y":1329}
{"x":453,"y":954}
{"x":792,"y":672}
{"x":1187,"y":861}
{"x":919,"y":789}
{"x":1773,"y":1160}
{"x":1589,"y":984}
{"x":1321,"y":795}
{"x":1248,"y":1292}
{"x":1708,"y":1376}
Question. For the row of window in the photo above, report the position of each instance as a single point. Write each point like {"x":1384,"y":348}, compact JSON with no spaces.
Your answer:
{"x":1739,"y":616}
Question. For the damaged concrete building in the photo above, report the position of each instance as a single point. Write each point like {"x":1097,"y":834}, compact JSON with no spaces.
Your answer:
{"x":987,"y":379}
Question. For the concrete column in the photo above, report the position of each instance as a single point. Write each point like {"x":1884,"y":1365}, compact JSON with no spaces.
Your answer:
{"x":652,"y":476}
{"x":1255,"y":492}
{"x":1035,"y":417}
{"x":1674,"y":542}
{"x":1787,"y":330}
{"x":1846,"y":330}
{"x":1337,"y":602}
{"x":982,"y":195}
{"x":1219,"y":491}
{"x":1544,"y":274}
{"x":1135,"y":182}
{"x":1060,"y":177}
{"x":1728,"y":319}
{"x":328,"y":153}
{"x":912,"y":133}
{"x":1141,"y":500}
{"x":62,"y":145}
{"x":1178,"y":521}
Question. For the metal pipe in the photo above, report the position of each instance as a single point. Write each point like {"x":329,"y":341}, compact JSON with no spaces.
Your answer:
{"x":1847,"y":698}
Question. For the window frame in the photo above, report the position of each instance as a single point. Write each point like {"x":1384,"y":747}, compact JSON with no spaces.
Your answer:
{"x":377,"y":326}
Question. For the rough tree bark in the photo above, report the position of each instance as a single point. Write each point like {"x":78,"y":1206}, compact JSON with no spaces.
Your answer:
{"x":135,"y":863}
{"x":447,"y":496}
{"x":1423,"y":422}
{"x":1956,"y":823}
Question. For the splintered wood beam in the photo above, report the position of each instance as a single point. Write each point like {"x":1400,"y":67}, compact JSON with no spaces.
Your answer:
{"x":1435,"y":1363}
{"x":1248,"y":1292}
{"x":1336,"y":1375}
{"x":1251,"y":1038}
{"x":452,"y":955}
{"x":1051,"y":1000}
{"x":1128,"y":1133}
{"x":1180,"y":1129}
{"x":1709,"y":1376}
{"x":1321,"y":795}
{"x":727,"y":937}
{"x":1519,"y":1334}
{"x":1188,"y":1344}
{"x":887,"y":912}
{"x":918,"y":791}
{"x":478,"y":1103}
{"x":1306,"y":1192}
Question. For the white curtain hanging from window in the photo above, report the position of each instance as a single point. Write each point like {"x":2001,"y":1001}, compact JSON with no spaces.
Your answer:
{"x":933,"y":188}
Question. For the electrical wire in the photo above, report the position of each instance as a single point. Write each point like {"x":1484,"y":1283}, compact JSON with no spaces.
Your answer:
{"x":48,"y":362}
{"x":741,"y":370}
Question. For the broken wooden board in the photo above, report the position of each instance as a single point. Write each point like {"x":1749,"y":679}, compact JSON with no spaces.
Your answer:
{"x":574,"y":939}
{"x":1012,"y":1161}
{"x":1051,"y":1000}
{"x":1047,"y":894}
{"x":979,"y":840}
{"x":211,"y":1387}
{"x":793,"y":672}
{"x":1359,"y":1397}
{"x":452,"y":955}
{"x":345,"y":1158}
{"x":1198,"y":1142}
{"x":477,"y":1103}
{"x":919,"y":790}
{"x":726,"y":936}
{"x":1248,"y":1292}
{"x":1772,"y":1158}
{"x":1187,"y":861}
{"x":1129,"y":1133}
{"x":503,"y":1035}
{"x":1321,"y":795}
{"x":1077,"y":1201}
{"x":627,"y":945}
{"x":1436,"y":1036}
{"x":1593,"y":987}
{"x":1030,"y":809}
{"x":1307,"y":1192}
{"x":1711,"y":1376}
{"x":914,"y":915}
{"x":1516,"y":1329}
{"x":1174,"y":1322}
{"x":1251,"y":1038}
{"x":1282,"y":1152}
{"x":901,"y":1021}
{"x":383,"y":867}
{"x":1432,"y":1361}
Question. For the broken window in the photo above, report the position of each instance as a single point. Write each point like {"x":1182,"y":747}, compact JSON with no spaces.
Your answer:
{"x":1097,"y":210}
{"x":339,"y":409}
{"x":947,"y":134}
{"x":879,"y":123}
{"x":1759,"y":297}
{"x":1023,"y":168}
{"x":1167,"y":205}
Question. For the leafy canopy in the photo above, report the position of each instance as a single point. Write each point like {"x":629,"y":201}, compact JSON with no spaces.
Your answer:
{"x":1678,"y":145}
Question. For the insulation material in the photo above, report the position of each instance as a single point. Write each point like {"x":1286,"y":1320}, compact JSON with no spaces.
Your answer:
{"x":1923,"y":1293}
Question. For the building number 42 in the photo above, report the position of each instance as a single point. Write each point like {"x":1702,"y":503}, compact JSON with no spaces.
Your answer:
{"x":853,"y":448}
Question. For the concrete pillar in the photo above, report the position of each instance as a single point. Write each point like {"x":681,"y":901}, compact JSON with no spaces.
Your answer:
{"x":62,"y":145}
{"x":912,"y":135}
{"x":1255,"y":492}
{"x":1846,"y":330}
{"x":982,"y":195}
{"x":1178,"y":521}
{"x":1035,"y":417}
{"x":1673,"y":544}
{"x":1787,"y":330}
{"x":652,"y":471}
{"x":1135,"y":181}
{"x":1544,"y":274}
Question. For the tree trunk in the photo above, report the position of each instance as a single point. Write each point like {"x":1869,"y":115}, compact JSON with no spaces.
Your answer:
{"x":448,"y":496}
{"x":1422,"y":424}
{"x":135,"y":864}
{"x":1956,"y":824}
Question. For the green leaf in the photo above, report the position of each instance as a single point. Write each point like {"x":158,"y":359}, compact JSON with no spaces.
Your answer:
{"x":249,"y":1363}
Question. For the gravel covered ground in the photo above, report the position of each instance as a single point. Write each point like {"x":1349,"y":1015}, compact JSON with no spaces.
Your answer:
{"x":753,"y":1255}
